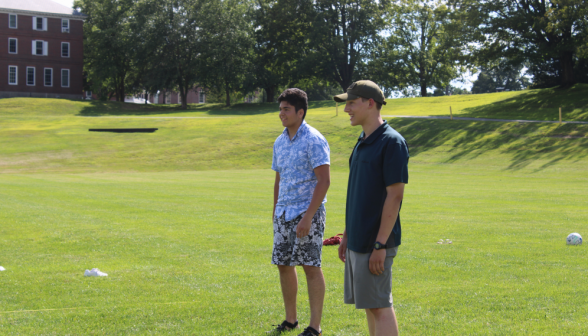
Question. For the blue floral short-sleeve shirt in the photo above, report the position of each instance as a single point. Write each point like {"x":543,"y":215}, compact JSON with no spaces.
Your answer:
{"x":295,"y":161}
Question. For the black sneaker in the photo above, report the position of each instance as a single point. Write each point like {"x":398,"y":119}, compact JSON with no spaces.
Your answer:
{"x":310,"y":331}
{"x":282,"y":328}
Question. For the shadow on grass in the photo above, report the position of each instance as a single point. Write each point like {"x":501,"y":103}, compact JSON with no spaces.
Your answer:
{"x":537,"y":105}
{"x":110,"y":108}
{"x":525,"y":143}
{"x":262,"y":108}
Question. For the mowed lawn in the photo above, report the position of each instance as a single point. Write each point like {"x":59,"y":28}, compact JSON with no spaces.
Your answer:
{"x":180,"y":220}
{"x":189,"y":253}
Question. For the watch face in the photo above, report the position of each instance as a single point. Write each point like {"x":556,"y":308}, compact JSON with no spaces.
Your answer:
{"x":377,"y":246}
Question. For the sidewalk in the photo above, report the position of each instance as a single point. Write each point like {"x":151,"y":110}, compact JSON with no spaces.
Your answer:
{"x":486,"y":119}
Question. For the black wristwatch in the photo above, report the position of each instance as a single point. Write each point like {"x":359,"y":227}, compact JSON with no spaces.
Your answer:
{"x":379,"y":246}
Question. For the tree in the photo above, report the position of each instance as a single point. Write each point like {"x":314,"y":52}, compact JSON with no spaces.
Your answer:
{"x":384,"y":66}
{"x":228,"y":40}
{"x":108,"y":46}
{"x":426,"y":43}
{"x":344,"y":34}
{"x":484,"y":84}
{"x":281,"y":44}
{"x":546,"y":33}
{"x":171,"y":39}
{"x":500,"y":74}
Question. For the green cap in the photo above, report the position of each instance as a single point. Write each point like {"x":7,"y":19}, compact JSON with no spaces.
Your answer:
{"x":362,"y":89}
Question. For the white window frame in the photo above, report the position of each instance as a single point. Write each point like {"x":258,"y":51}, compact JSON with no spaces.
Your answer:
{"x":45,"y":48}
{"x":65,"y":29}
{"x":68,"y":49}
{"x":15,"y":67}
{"x":45,"y":77}
{"x":15,"y":21}
{"x":201,"y":97}
{"x":68,"y":76}
{"x":167,"y":98}
{"x":10,"y":39}
{"x":44,"y":23}
{"x":34,"y":76}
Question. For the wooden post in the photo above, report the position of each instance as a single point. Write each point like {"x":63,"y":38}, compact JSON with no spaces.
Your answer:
{"x":337,"y":108}
{"x":450,"y":113}
{"x":560,"y":115}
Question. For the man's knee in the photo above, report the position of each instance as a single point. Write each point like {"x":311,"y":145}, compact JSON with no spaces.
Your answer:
{"x":312,"y":271}
{"x":379,"y":312}
{"x":286,"y":269}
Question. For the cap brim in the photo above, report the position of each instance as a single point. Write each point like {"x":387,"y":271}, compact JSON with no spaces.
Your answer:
{"x":344,"y":97}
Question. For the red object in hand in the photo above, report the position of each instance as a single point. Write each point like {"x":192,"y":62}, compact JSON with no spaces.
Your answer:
{"x":335,"y":240}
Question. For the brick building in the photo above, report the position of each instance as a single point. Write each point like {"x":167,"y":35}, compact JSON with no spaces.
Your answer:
{"x":41,"y":50}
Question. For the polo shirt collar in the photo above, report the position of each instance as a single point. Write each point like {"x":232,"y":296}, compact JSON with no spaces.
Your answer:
{"x":375,"y":134}
{"x":300,"y":131}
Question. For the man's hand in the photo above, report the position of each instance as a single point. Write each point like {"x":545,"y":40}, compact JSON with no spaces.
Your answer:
{"x":377,"y":261}
{"x":343,"y":248}
{"x":303,"y":227}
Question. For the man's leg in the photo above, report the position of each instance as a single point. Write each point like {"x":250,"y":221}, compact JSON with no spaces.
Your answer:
{"x":316,"y":294}
{"x":371,"y":322}
{"x":289,"y":283}
{"x":384,"y":321}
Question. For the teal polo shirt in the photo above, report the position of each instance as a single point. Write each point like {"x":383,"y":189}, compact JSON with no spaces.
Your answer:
{"x":375,"y":163}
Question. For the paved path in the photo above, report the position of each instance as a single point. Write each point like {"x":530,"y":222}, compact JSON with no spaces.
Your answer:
{"x":486,"y":119}
{"x":390,"y":116}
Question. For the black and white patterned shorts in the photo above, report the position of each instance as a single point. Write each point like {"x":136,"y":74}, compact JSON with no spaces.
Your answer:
{"x":290,"y":250}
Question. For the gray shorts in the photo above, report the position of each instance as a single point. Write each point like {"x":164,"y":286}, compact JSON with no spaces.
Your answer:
{"x":292,"y":251}
{"x":363,"y":288}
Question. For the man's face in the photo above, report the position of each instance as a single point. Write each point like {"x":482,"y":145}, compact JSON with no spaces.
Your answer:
{"x":289,"y":116}
{"x":357,"y":110}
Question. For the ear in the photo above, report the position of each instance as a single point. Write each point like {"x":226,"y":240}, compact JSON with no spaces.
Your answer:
{"x":300,"y":113}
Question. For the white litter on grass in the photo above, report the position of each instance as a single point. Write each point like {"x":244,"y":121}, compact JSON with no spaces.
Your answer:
{"x":446,"y":241}
{"x":2,"y":268}
{"x":94,"y":272}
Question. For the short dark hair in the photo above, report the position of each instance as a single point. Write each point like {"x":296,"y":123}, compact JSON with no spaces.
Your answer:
{"x":378,"y":105}
{"x":296,"y":98}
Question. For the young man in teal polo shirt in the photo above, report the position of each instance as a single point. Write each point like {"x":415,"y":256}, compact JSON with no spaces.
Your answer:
{"x":377,"y":175}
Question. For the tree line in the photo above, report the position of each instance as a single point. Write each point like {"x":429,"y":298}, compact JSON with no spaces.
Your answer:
{"x":229,"y":46}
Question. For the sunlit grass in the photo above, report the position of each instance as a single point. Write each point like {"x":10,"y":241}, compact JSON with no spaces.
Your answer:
{"x":180,"y":220}
{"x":189,"y":253}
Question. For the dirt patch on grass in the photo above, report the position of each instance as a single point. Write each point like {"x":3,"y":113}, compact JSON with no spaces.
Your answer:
{"x":33,"y":158}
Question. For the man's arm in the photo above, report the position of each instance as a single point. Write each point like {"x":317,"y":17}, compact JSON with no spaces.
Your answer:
{"x":343,"y":246}
{"x":276,"y":193}
{"x":323,"y":177}
{"x":395,"y":193}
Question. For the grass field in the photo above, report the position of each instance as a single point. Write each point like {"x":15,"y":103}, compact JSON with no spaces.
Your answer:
{"x":180,"y":220}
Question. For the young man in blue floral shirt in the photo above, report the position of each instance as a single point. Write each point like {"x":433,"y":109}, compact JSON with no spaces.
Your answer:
{"x":301,"y":162}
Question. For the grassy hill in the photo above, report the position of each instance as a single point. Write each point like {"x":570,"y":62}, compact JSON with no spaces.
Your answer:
{"x":539,"y":104}
{"x":51,"y":135}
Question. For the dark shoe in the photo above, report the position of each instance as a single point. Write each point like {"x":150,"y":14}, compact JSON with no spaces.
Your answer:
{"x":310,"y":331}
{"x":282,"y":328}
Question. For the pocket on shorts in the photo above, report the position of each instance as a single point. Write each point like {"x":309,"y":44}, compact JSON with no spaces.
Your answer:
{"x":275,"y":224}
{"x":292,"y":237}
